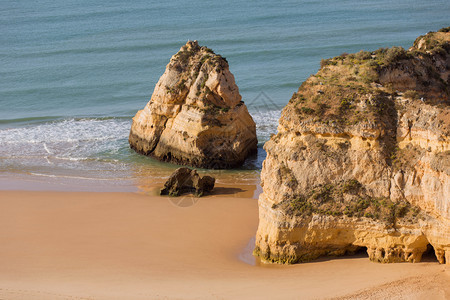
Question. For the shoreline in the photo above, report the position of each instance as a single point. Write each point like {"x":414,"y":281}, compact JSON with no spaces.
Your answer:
{"x":116,"y":245}
{"x":226,"y":181}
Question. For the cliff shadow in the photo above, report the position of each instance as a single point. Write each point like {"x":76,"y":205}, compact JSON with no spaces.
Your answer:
{"x":361,"y":252}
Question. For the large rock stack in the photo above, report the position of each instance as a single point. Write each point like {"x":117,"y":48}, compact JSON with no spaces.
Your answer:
{"x":195,"y":116}
{"x":362,"y":159}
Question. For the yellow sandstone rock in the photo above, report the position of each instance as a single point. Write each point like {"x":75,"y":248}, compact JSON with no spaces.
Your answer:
{"x":195,"y":116}
{"x":362,"y":159}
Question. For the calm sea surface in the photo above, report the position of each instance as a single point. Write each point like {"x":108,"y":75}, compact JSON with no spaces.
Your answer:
{"x":73,"y":73}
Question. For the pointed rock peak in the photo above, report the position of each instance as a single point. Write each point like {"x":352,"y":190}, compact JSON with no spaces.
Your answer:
{"x":191,"y":45}
{"x":195,"y":116}
{"x":198,"y":76}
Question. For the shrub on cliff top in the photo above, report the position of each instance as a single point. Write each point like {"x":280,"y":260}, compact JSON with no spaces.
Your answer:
{"x":386,"y":56}
{"x":363,"y":55}
{"x":342,"y":91}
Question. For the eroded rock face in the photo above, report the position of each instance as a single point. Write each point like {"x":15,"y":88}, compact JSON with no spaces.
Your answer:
{"x":362,"y":159}
{"x":195,"y":116}
{"x":185,"y":180}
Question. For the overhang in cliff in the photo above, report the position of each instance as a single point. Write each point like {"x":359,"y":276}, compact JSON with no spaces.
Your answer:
{"x":195,"y":116}
{"x":362,"y":159}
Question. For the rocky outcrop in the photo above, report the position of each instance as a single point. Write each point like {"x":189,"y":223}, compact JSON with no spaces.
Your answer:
{"x":195,"y":116}
{"x":362,"y":159}
{"x":185,"y":180}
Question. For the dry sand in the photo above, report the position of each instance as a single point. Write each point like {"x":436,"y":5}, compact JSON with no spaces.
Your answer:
{"x":65,"y":245}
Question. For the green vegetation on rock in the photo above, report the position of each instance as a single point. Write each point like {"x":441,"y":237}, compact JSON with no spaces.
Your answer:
{"x":343,"y":86}
{"x":348,"y":198}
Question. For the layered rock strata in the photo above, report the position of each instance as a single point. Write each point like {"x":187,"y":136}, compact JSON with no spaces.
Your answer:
{"x":361,"y":159}
{"x":195,"y":116}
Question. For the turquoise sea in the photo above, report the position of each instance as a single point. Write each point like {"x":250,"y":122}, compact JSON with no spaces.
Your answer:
{"x":73,"y":73}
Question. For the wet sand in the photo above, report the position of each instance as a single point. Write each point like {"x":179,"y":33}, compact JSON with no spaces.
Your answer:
{"x":84,"y":245}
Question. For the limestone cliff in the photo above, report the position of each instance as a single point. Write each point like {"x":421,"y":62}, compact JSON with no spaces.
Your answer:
{"x":362,"y":159}
{"x":195,"y":116}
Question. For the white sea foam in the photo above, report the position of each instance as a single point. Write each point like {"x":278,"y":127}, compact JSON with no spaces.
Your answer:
{"x":46,"y":149}
{"x":266,"y":123}
{"x":91,"y":149}
{"x":76,"y":177}
{"x":67,"y":131}
{"x":80,"y":148}
{"x":70,"y":138}
{"x":81,"y":139}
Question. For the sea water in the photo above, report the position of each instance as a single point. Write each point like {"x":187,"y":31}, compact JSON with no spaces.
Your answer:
{"x":73,"y":73}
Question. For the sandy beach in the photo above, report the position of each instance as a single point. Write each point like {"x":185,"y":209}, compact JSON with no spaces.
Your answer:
{"x":82,"y":245}
{"x":339,"y":110}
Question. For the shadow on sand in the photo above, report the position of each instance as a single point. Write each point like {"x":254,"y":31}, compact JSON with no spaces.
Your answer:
{"x":218,"y":191}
